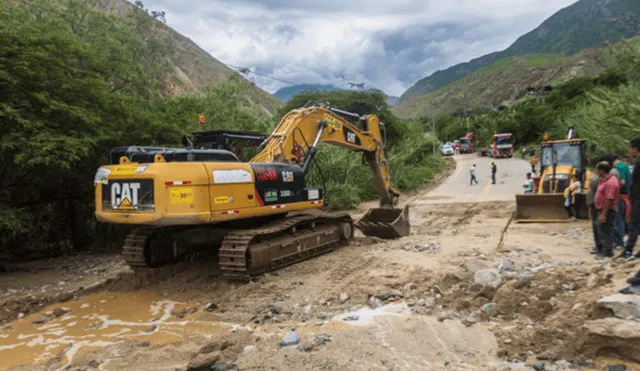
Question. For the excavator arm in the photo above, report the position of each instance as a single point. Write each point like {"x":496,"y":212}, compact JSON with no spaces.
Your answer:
{"x":295,"y":141}
{"x":296,"y":137}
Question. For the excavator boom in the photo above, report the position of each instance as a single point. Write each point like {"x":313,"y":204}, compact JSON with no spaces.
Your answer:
{"x":296,"y":138}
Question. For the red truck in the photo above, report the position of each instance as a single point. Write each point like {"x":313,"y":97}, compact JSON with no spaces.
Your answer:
{"x":501,"y":145}
{"x":467,"y":143}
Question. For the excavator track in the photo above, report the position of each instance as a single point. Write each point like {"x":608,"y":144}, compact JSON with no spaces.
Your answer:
{"x":245,"y":252}
{"x":133,"y":250}
{"x":249,"y":252}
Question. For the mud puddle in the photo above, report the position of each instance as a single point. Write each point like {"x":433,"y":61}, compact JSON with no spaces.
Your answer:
{"x":101,"y":320}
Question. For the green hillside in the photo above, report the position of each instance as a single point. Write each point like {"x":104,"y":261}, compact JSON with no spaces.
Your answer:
{"x":502,"y":82}
{"x":603,"y":109}
{"x":585,"y":24}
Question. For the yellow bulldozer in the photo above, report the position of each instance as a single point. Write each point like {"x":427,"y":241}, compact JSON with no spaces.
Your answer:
{"x":560,"y":160}
{"x":258,"y":215}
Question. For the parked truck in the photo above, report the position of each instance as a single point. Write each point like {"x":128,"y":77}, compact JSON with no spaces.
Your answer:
{"x":501,"y":145}
{"x":467,"y":143}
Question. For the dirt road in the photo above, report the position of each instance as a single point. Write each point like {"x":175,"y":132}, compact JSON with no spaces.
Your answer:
{"x":462,"y":292}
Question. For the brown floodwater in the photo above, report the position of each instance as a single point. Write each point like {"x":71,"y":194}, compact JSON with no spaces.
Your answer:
{"x":97,"y":321}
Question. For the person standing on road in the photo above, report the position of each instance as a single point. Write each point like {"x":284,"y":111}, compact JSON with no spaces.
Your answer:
{"x":606,"y":202}
{"x":528,"y":184}
{"x":634,"y":198}
{"x":524,"y":152}
{"x":494,"y":168}
{"x":472,"y":172}
{"x":593,"y":213}
{"x":533,"y":162}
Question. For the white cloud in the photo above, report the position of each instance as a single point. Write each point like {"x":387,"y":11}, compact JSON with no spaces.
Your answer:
{"x":385,"y":44}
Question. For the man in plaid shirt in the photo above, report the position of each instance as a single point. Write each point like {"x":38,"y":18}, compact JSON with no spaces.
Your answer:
{"x":606,"y":204}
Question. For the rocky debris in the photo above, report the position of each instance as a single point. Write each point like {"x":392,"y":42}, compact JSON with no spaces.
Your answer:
{"x":51,"y":315}
{"x":613,"y":334}
{"x":375,"y":303}
{"x":343,"y":297}
{"x":290,"y":339}
{"x":203,"y":361}
{"x":472,"y":266}
{"x":222,"y":367}
{"x":275,"y":310}
{"x":211,"y":307}
{"x":250,"y":349}
{"x":563,"y":365}
{"x":185,"y":312}
{"x":538,"y":366}
{"x":623,"y":306}
{"x":488,"y":277}
{"x":470,"y":320}
{"x":616,"y":368}
{"x":351,"y":318}
{"x":321,"y":339}
{"x":488,"y":308}
{"x":391,"y":296}
{"x":150,"y":329}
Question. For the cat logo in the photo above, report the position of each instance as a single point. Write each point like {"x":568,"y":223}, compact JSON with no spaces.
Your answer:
{"x":351,"y":137}
{"x":287,"y":176}
{"x":125,"y":196}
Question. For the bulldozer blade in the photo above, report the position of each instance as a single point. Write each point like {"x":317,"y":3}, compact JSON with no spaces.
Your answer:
{"x":542,"y":208}
{"x":385,"y":223}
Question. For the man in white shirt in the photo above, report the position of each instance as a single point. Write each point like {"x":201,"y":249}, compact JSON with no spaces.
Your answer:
{"x":528,"y":184}
{"x":472,"y":172}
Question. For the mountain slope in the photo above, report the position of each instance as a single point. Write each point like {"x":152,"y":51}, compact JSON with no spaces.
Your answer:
{"x":509,"y":79}
{"x":286,"y":93}
{"x":193,"y":68}
{"x":587,"y":23}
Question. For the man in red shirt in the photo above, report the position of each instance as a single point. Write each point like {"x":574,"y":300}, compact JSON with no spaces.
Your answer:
{"x":606,"y":204}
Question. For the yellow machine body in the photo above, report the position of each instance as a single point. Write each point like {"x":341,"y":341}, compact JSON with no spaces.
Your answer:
{"x":245,"y":205}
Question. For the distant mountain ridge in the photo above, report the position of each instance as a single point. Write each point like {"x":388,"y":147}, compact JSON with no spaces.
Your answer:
{"x":285,"y":94}
{"x":585,"y":24}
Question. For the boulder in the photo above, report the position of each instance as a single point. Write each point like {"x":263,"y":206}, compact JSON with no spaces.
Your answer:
{"x":612,"y":334}
{"x":623,"y":306}
{"x":488,"y":277}
{"x":203,"y":361}
{"x":473,"y":266}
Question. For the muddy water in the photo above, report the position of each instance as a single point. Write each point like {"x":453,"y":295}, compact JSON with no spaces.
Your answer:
{"x":98,"y":321}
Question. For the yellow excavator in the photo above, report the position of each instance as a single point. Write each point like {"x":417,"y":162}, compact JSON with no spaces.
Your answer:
{"x":560,"y":160}
{"x":259,"y":215}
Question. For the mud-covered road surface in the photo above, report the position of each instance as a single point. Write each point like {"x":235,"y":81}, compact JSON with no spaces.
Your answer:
{"x":468,"y":290}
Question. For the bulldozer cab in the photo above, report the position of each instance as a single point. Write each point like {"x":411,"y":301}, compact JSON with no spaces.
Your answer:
{"x":564,"y":153}
{"x":560,"y":160}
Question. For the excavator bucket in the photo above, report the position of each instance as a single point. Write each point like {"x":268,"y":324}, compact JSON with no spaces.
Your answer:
{"x":541,"y":208}
{"x":385,"y":223}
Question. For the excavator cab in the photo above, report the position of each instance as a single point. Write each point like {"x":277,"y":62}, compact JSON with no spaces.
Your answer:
{"x":560,"y":161}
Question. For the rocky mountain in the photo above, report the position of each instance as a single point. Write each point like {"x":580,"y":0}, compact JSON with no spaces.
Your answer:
{"x":193,"y":68}
{"x":585,"y":24}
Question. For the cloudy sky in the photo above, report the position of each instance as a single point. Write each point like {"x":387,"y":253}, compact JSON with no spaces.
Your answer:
{"x":386,"y":44}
